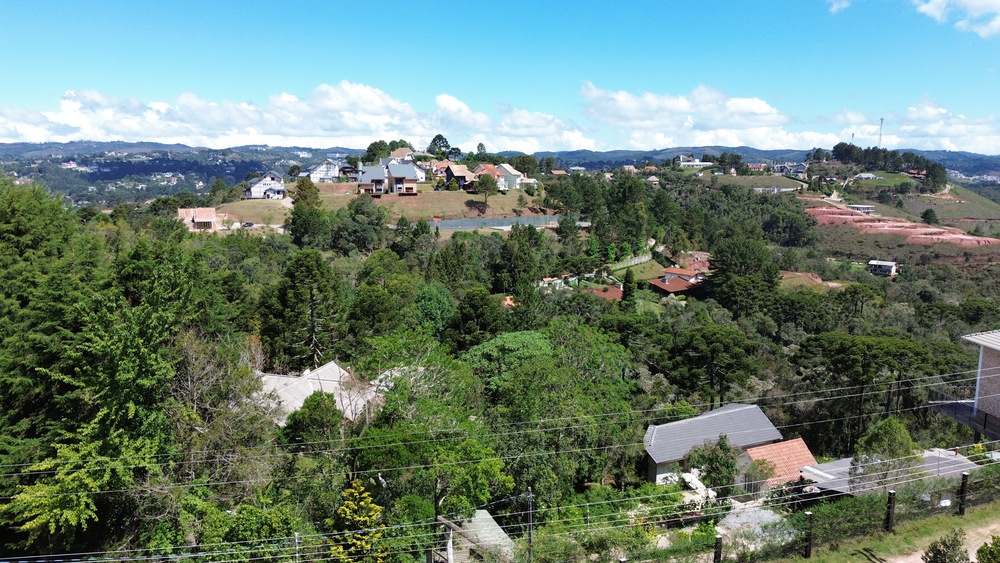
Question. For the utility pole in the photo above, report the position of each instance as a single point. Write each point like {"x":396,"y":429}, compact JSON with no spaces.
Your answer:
{"x":531,"y":538}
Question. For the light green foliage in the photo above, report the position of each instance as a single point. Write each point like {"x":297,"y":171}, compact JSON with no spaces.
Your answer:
{"x":495,"y":360}
{"x":468,"y":475}
{"x":434,"y":306}
{"x":358,"y":523}
{"x":949,"y":549}
{"x":989,"y":552}
{"x":884,"y":456}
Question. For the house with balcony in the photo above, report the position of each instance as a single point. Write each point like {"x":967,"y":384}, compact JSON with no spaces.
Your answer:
{"x":403,"y":178}
{"x":270,"y":185}
{"x":372,"y":181}
{"x":325,"y":172}
{"x":974,"y":404}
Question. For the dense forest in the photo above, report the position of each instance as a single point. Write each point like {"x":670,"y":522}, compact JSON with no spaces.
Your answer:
{"x":131,"y":353}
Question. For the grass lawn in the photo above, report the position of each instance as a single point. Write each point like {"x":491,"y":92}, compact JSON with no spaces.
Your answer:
{"x":642,"y":272}
{"x":888,"y":179}
{"x":966,"y":205}
{"x":444,"y":204}
{"x":263,"y":211}
{"x":752,"y":181}
{"x":802,"y":282}
{"x":907,"y":539}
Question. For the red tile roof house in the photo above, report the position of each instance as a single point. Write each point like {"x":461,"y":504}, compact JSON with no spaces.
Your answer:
{"x":788,"y":458}
{"x":199,"y":218}
{"x":677,"y":280}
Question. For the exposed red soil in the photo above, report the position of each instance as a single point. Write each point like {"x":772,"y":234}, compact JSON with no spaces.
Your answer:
{"x":915,"y":233}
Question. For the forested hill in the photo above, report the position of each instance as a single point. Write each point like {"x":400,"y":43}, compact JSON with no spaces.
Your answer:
{"x":970,"y":164}
{"x":133,"y":354}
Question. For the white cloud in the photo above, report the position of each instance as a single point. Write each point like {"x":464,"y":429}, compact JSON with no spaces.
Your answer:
{"x":343,"y":114}
{"x":978,"y":16}
{"x":704,"y":114}
{"x":838,"y":5}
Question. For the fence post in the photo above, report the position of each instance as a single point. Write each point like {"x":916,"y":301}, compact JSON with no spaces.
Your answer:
{"x":718,"y":549}
{"x":963,"y":493}
{"x":890,"y":511}
{"x":809,"y":535}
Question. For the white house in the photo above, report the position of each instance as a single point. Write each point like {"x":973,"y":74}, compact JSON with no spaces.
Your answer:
{"x":882,"y":268}
{"x":325,"y":172}
{"x":510,"y":177}
{"x":268,"y":186}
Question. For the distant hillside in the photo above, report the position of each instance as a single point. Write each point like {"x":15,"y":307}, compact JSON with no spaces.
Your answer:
{"x":45,"y":150}
{"x":968,"y":163}
{"x":964,"y":162}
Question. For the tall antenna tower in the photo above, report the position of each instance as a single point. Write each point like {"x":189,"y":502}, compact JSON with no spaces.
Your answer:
{"x":881,"y":121}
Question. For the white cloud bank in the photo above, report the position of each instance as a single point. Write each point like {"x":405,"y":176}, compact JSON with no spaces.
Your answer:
{"x":343,"y":114}
{"x":706,"y":116}
{"x":353,"y":115}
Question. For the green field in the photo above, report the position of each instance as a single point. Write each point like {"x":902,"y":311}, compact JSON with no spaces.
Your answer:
{"x":965,"y":205}
{"x":426,"y":205}
{"x":888,"y":179}
{"x":907,"y":539}
{"x":751,"y":181}
{"x":642,"y":272}
{"x":262,"y":211}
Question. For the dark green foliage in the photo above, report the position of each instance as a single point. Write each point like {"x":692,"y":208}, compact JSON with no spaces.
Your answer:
{"x":299,"y":313}
{"x":929,"y":216}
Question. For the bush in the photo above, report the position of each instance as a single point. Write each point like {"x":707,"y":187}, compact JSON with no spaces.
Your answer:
{"x":949,"y":549}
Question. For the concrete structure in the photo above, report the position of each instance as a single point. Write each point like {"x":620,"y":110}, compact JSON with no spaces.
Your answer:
{"x":355,"y":398}
{"x":866,"y":209}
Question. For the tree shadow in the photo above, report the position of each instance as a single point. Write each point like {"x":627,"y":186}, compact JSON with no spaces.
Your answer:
{"x":477,"y":206}
{"x":869,"y":555}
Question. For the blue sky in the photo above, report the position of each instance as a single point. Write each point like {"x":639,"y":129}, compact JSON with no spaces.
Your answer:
{"x":513,"y":75}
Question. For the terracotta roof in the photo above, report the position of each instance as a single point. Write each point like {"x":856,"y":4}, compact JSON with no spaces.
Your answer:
{"x":401,"y":152}
{"x":681,"y":271}
{"x":673,"y":285}
{"x":788,"y":458}
{"x":488,"y":169}
{"x":609,"y":292}
{"x":560,"y":173}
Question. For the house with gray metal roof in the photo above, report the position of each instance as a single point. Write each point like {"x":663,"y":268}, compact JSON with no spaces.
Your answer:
{"x":745,"y":426}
